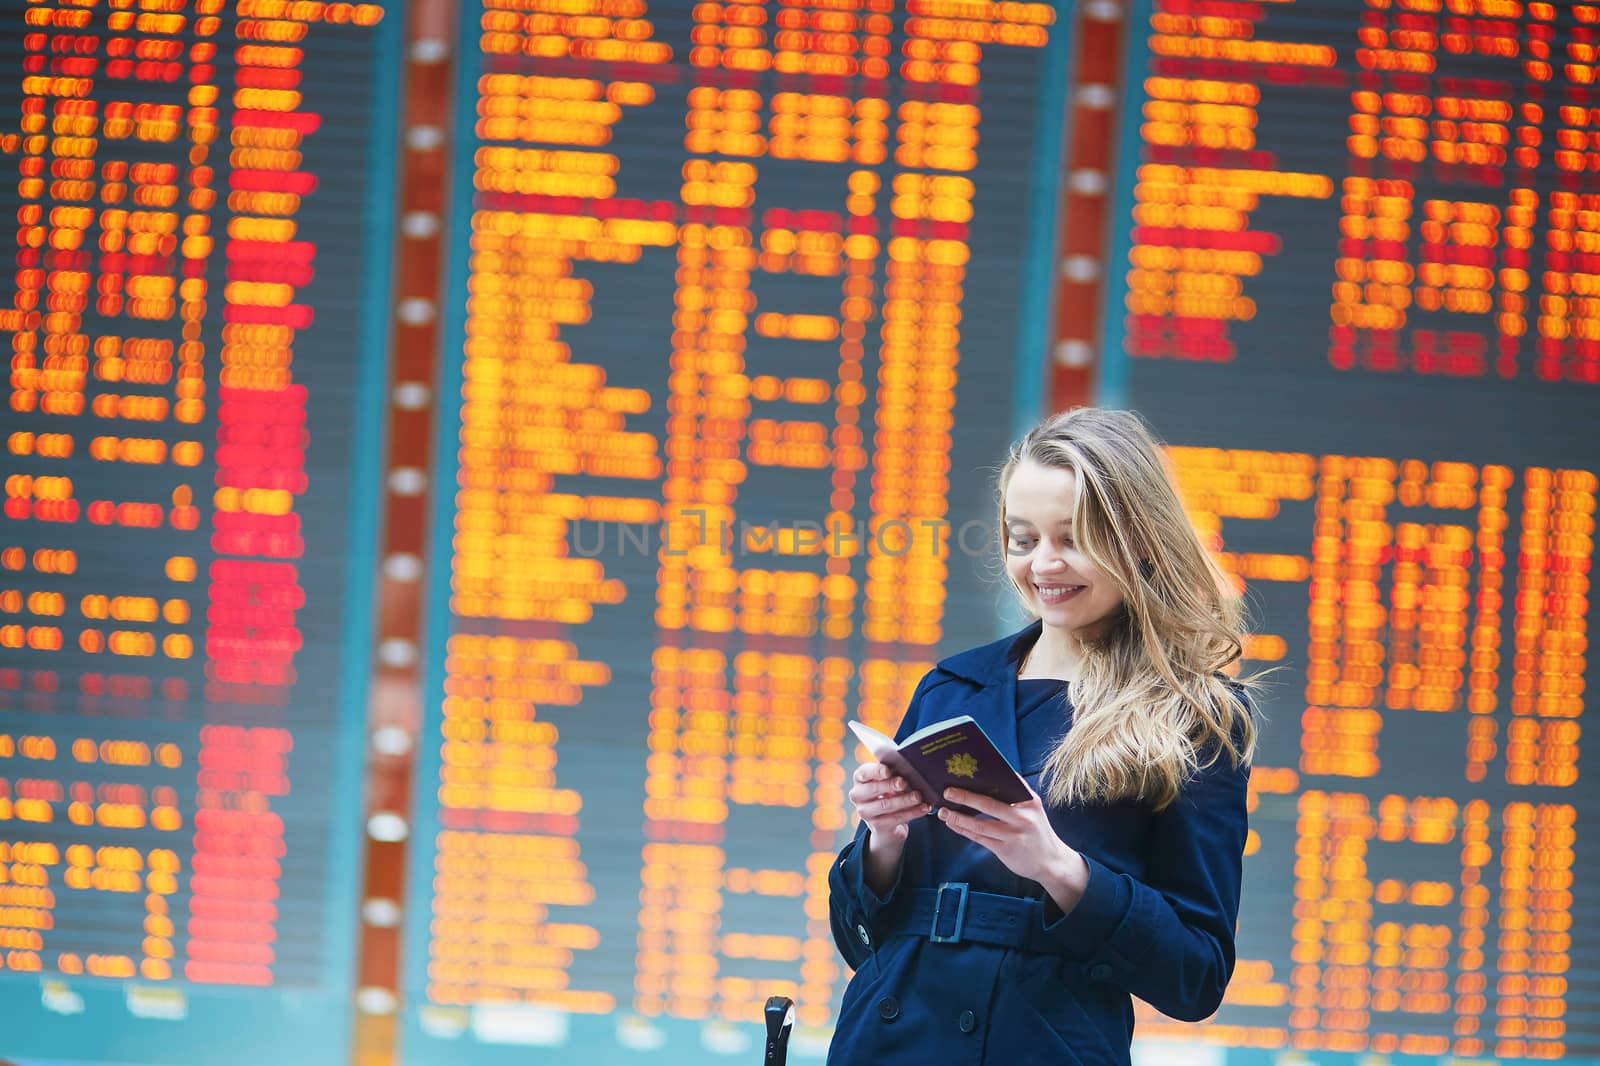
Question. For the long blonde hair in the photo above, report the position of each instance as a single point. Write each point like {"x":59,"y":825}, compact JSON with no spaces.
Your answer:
{"x":1150,"y":705}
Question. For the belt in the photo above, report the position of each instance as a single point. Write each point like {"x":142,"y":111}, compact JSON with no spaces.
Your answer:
{"x":953,"y":913}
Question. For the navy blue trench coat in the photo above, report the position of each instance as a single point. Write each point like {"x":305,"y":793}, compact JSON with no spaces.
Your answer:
{"x":986,"y":970}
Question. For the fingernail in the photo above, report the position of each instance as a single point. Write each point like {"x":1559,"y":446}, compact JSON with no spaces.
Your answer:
{"x":900,"y":785}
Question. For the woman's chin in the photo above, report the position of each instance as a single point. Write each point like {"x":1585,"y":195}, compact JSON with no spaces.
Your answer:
{"x":1068,"y":618}
{"x":1057,"y":615}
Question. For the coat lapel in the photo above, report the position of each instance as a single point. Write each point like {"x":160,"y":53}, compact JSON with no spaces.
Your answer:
{"x":1000,"y":704}
{"x":994,"y":667}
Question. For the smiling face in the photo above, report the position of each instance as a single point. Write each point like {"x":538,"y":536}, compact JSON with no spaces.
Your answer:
{"x":1057,"y":579}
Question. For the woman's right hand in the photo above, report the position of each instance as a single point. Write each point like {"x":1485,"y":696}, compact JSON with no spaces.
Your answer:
{"x":886,"y":802}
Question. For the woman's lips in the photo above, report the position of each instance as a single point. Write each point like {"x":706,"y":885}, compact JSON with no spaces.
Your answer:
{"x":1058,"y":593}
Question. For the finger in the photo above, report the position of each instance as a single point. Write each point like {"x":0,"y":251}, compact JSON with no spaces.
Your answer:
{"x":900,"y":802}
{"x":970,"y":832}
{"x":968,"y":826}
{"x":893,"y":808}
{"x":894,"y":786}
{"x":916,"y":805}
{"x":862,"y":795}
{"x":876,"y":787}
{"x":984,"y":804}
{"x":872,"y":771}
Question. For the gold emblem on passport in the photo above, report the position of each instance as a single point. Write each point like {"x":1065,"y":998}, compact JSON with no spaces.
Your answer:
{"x":962,"y":765}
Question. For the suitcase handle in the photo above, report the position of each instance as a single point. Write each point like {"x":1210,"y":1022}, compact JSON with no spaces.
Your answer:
{"x":780,"y":1021}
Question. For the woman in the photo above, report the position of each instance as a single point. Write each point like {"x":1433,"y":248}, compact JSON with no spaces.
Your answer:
{"x":1020,"y":936}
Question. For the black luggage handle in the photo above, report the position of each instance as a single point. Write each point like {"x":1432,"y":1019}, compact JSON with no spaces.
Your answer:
{"x":780,"y":1021}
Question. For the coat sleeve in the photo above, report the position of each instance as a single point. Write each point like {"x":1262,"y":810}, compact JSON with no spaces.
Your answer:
{"x":1168,"y":938}
{"x":855,"y":911}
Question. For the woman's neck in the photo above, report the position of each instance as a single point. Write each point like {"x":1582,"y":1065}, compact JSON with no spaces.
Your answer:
{"x":1055,"y":654}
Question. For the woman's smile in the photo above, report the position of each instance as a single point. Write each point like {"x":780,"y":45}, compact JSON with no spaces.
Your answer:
{"x":1054,"y":594}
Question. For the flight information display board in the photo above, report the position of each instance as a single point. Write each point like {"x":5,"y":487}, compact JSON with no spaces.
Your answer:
{"x":1360,"y":242}
{"x":196,"y":300}
{"x":735,"y":312}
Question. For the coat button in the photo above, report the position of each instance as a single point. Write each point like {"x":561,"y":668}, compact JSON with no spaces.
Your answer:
{"x":861,"y":931}
{"x":968,"y":1021}
{"x":1100,"y":971}
{"x":888,"y":1009}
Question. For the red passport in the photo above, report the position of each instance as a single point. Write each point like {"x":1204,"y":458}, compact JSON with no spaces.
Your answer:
{"x":954,"y":753}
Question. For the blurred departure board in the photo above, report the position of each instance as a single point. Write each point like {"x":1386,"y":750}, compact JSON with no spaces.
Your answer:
{"x":1361,"y":244}
{"x":190,"y":491}
{"x":738,"y":296}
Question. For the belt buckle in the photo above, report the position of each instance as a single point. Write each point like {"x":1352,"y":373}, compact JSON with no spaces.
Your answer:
{"x":960,"y":888}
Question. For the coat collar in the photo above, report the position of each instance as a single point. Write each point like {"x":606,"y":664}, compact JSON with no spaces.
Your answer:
{"x":994,"y":667}
{"x":996,"y":662}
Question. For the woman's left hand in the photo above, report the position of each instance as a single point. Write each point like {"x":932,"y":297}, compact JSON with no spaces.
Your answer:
{"x":1020,"y":836}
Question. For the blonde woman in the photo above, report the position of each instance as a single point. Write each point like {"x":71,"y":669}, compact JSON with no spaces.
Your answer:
{"x":1020,"y":935}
